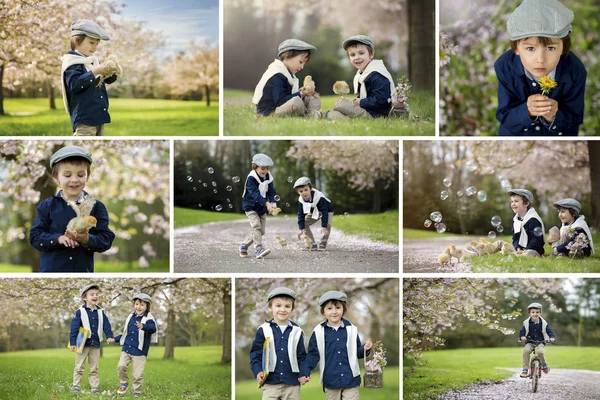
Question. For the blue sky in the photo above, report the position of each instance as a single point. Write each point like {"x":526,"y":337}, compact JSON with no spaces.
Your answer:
{"x":180,"y":22}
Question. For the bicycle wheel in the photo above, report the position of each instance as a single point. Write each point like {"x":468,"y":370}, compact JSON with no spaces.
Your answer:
{"x":534,"y":375}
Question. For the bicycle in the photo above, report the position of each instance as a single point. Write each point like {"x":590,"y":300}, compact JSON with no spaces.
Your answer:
{"x":535,"y":364}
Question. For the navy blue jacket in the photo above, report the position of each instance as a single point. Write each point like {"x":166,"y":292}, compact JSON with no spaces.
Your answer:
{"x":53,"y":216}
{"x":514,"y":87}
{"x":93,"y":339}
{"x":534,"y":242}
{"x":253,"y":201}
{"x":130,"y":346}
{"x":88,"y":104}
{"x":378,"y":93}
{"x":324,"y":206}
{"x":283,"y":370}
{"x":562,"y":248}
{"x":277,"y":91}
{"x":337,"y":372}
{"x":535,"y":331}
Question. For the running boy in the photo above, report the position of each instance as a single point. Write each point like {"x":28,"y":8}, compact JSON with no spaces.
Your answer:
{"x":312,"y":206}
{"x":528,"y":228}
{"x":535,"y":328}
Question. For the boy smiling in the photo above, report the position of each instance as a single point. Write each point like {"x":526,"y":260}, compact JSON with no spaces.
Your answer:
{"x":528,"y":228}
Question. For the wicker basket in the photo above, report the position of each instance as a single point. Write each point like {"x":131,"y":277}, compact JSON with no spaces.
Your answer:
{"x":399,"y":110}
{"x":373,"y":379}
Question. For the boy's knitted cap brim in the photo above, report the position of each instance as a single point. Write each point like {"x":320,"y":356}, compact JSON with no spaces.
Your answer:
{"x":522,"y":192}
{"x":281,"y":291}
{"x":542,"y":18}
{"x":70,"y":151}
{"x":143,"y":297}
{"x":88,"y":28}
{"x":568,"y":203}
{"x":358,"y":39}
{"x":332,"y":295}
{"x":262,"y":160}
{"x":84,"y":289}
{"x":294,"y":44}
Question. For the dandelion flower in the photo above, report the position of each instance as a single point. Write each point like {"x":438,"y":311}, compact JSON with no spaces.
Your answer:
{"x":547,"y":84}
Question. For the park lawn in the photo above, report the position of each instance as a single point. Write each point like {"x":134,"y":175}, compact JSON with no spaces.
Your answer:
{"x":195,"y":373}
{"x":189,"y":217}
{"x":381,"y":227}
{"x":14,"y":268}
{"x":442,"y":370}
{"x":248,"y":390}
{"x":424,"y":234}
{"x":240,"y":119}
{"x":104,"y":266}
{"x":130,"y":117}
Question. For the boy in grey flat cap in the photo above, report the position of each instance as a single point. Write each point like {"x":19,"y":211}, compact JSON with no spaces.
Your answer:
{"x":285,"y":347}
{"x":528,"y":228}
{"x":541,"y":83}
{"x":312,"y":206}
{"x":335,"y":346}
{"x":92,"y":318}
{"x":83,"y":88}
{"x":258,"y":199}
{"x":373,"y":84}
{"x":278,"y":92}
{"x":63,"y":250}
{"x":574,"y":236}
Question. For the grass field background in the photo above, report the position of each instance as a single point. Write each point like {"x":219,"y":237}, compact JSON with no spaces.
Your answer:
{"x":130,"y":117}
{"x":444,"y":370}
{"x":239,"y":115}
{"x":195,"y":373}
{"x":104,"y":266}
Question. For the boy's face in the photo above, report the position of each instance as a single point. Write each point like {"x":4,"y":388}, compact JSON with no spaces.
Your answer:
{"x":535,"y":314}
{"x":296,"y":64}
{"x":359,"y":56}
{"x":140,"y":306}
{"x":281,"y":307}
{"x":518,"y":205}
{"x":262,"y":171}
{"x":72,"y":179}
{"x":92,"y":297}
{"x":304,"y":191}
{"x":565,"y":216}
{"x":334,"y":313}
{"x":538,"y":59}
{"x":88,"y":46}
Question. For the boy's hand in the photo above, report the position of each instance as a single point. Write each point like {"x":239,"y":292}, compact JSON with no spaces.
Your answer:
{"x":549,"y":117}
{"x":101,"y":70}
{"x":552,"y":339}
{"x":540,"y":106}
{"x":110,"y":340}
{"x":139,"y":325}
{"x":260,"y":377}
{"x":304,"y":380}
{"x":356,"y":101}
{"x":73,"y":349}
{"x":300,"y":233}
{"x":67,"y":241}
{"x":368,"y":344}
{"x":303,"y":91}
{"x":555,"y":251}
{"x":80,"y":237}
{"x":269,"y":207}
{"x":523,"y":339}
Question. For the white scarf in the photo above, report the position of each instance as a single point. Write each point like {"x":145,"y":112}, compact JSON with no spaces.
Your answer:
{"x":374,"y":66}
{"x":352,"y":335}
{"x":580,"y":223}
{"x":69,"y":60}
{"x":85,"y":321}
{"x":306,"y":206}
{"x":544,"y":325}
{"x":263,"y":186}
{"x":141,"y":332}
{"x":293,"y":340}
{"x":276,"y":67}
{"x":519,"y":226}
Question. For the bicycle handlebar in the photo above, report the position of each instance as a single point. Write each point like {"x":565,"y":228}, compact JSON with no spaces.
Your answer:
{"x":537,"y":341}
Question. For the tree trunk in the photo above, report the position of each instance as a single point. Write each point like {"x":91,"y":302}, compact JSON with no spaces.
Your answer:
{"x":594,"y":155}
{"x":421,"y":44}
{"x":226,"y":356}
{"x":377,"y":196}
{"x":46,"y":187}
{"x":1,"y":91}
{"x":170,"y":336}
{"x":51,"y":96}
{"x":207,"y":89}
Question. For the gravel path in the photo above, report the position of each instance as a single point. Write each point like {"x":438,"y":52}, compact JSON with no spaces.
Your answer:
{"x":559,"y":384}
{"x":213,"y":247}
{"x":421,"y":255}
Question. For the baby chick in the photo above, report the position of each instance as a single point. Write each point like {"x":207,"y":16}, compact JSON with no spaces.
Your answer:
{"x":455,"y":252}
{"x":112,"y":63}
{"x":282,"y":242}
{"x":341,"y":88}
{"x":507,"y":249}
{"x":553,"y":235}
{"x":276,"y":211}
{"x":83,"y":221}
{"x":309,"y":85}
{"x":444,"y":258}
{"x":308,"y":242}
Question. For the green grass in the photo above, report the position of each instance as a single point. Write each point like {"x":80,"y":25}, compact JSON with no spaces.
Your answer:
{"x":188,"y":217}
{"x":130,"y":117}
{"x":248,"y":390}
{"x":104,"y":266}
{"x":423,"y":234}
{"x":195,"y":373}
{"x":240,"y":119}
{"x":377,"y":227}
{"x":14,"y":268}
{"x":445,"y":370}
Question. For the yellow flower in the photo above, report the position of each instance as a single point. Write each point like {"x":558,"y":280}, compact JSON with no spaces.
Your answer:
{"x":547,"y":84}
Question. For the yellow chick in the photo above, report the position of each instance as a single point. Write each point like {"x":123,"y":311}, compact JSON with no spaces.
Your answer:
{"x":553,"y":235}
{"x":308,"y":242}
{"x":507,"y":249}
{"x":309,"y":85}
{"x":455,"y":252}
{"x":276,"y":211}
{"x":112,"y":62}
{"x":83,"y":221}
{"x":341,"y":88}
{"x":444,"y":258}
{"x":282,"y":242}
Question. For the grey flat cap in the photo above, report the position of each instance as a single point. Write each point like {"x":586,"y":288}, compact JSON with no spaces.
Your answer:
{"x":143,"y":297}
{"x":70,"y":151}
{"x":281,"y":291}
{"x":303,"y":181}
{"x":294,"y":44}
{"x":88,"y":28}
{"x":332,"y":295}
{"x":545,"y":18}
{"x":358,"y":39}
{"x":262,"y":160}
{"x":568,"y":203}
{"x":86,"y":288}
{"x":522,"y":192}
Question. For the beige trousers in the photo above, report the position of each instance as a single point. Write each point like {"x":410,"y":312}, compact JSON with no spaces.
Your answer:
{"x":86,"y":130}
{"x":342,"y":394}
{"x":527,"y":351}
{"x":137,"y":370}
{"x":308,"y":221}
{"x":344,"y":108}
{"x":299,"y":107}
{"x":258,"y":225}
{"x":92,"y":354}
{"x":281,"y":391}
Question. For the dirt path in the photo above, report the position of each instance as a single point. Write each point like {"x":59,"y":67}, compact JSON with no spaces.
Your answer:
{"x":214,"y":248}
{"x":559,"y":384}
{"x":421,"y":255}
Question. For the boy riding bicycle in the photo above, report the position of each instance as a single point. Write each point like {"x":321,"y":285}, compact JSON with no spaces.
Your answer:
{"x":534,"y":330}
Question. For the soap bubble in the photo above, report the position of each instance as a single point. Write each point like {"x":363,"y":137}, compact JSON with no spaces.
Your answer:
{"x":290,"y":179}
{"x":214,"y":190}
{"x":190,"y":179}
{"x":211,"y":170}
{"x":229,"y":188}
{"x":427,"y":223}
{"x":495,"y":221}
{"x":229,"y":201}
{"x":194,"y":188}
{"x":444,"y":195}
{"x":199,"y":204}
{"x":277,"y":198}
{"x":204,"y":184}
{"x":471,"y":166}
{"x":236,"y":179}
{"x":537,"y":231}
{"x":287,"y":204}
{"x":500,"y":229}
{"x":436,"y":216}
{"x":214,"y":184}
{"x":218,"y":207}
{"x":447,"y":182}
{"x":489,"y":170}
{"x":199,"y":180}
{"x":440,"y":228}
{"x":230,"y":205}
{"x":459,"y":193}
{"x":482,"y":196}
{"x":471,"y":190}
{"x":492,"y":235}
{"x":346,"y":214}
